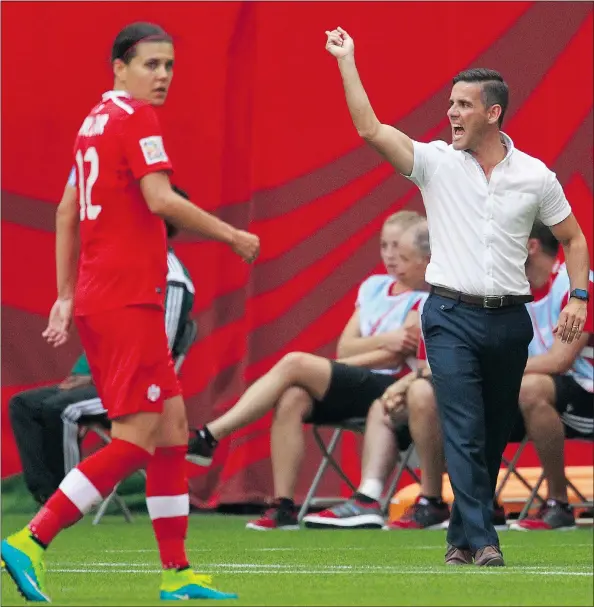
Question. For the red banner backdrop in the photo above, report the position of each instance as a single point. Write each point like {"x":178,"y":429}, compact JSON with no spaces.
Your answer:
{"x":259,"y":133}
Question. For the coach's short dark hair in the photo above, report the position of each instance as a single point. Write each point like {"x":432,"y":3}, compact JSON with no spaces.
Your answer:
{"x":548,"y":242}
{"x":173,"y":231}
{"x":124,"y":46}
{"x":494,"y":88}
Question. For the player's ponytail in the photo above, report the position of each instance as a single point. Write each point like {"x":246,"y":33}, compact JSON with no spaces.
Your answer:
{"x":124,"y":46}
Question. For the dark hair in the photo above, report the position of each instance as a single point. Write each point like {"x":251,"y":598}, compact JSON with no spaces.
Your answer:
{"x":124,"y":46}
{"x":173,"y":231}
{"x":548,"y":242}
{"x":494,"y":88}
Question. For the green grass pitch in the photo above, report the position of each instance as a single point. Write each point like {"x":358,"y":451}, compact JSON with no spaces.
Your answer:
{"x":116,"y":563}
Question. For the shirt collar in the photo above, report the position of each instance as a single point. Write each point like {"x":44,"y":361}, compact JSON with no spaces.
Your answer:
{"x":111,"y":94}
{"x":507,"y":142}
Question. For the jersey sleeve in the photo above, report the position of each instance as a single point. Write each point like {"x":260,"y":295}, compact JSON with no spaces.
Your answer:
{"x":143,"y":143}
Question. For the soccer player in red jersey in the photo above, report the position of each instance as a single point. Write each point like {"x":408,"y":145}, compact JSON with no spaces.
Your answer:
{"x":116,"y":213}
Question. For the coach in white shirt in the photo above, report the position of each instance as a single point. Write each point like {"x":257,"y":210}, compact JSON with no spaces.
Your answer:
{"x":481,"y":196}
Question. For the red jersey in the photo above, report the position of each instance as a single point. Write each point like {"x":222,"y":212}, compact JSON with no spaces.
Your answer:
{"x":123,"y":256}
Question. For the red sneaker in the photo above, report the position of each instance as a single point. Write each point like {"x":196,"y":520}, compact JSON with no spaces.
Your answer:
{"x":551,"y":515}
{"x":352,"y":514}
{"x":275,"y":518}
{"x":423,"y":514}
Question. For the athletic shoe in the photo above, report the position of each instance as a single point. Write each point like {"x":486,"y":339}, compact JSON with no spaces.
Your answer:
{"x":24,"y":561}
{"x":185,"y":584}
{"x":352,"y":514}
{"x":423,"y":514}
{"x":275,"y":518}
{"x":551,"y":515}
{"x":200,"y":451}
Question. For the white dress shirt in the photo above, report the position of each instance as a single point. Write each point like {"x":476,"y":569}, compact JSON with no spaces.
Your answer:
{"x":479,"y":229}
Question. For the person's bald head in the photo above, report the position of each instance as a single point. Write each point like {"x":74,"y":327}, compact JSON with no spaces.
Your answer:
{"x":414,"y":253}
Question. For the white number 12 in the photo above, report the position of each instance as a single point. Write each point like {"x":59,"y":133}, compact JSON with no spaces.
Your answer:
{"x":88,"y":210}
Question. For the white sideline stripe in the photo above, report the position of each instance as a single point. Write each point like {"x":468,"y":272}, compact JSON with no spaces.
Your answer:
{"x":350,"y":570}
{"x":327,"y":549}
{"x":80,"y":490}
{"x":168,"y":506}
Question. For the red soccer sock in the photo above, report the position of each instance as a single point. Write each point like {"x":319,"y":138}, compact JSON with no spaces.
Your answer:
{"x":85,"y":485}
{"x":168,"y":504}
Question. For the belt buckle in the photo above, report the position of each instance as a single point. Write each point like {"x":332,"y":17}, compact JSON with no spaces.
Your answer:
{"x":498,"y":303}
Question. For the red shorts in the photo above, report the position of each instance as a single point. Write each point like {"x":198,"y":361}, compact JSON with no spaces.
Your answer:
{"x":129,"y":358}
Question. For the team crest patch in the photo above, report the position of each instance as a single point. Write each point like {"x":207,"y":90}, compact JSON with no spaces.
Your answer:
{"x":153,"y":150}
{"x":153,"y":393}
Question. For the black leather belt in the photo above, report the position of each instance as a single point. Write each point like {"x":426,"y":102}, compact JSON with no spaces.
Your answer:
{"x":490,"y":301}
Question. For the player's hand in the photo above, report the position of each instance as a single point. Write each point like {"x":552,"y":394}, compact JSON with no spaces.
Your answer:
{"x":394,"y":398}
{"x":339,"y":43}
{"x":571,"y":320}
{"x":246,"y":245}
{"x":404,"y":340}
{"x":60,"y":320}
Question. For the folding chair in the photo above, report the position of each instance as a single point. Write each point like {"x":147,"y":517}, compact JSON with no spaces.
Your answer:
{"x":352,"y":425}
{"x":184,"y":343}
{"x":512,"y":468}
{"x":582,"y":503}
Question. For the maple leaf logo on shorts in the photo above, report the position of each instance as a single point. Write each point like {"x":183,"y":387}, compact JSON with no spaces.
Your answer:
{"x":153,"y":392}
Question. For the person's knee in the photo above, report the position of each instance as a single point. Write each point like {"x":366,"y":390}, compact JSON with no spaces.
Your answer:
{"x":173,"y":426}
{"x":294,"y":405}
{"x":294,"y":364}
{"x":536,"y":392}
{"x":420,"y":399}
{"x":18,"y":409}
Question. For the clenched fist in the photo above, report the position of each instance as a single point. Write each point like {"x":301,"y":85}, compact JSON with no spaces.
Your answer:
{"x":339,"y":43}
{"x":246,"y":245}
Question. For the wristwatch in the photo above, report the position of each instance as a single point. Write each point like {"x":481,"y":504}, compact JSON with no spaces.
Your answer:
{"x":580,"y":294}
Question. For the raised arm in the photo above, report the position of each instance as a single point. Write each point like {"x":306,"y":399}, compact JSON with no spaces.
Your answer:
{"x":392,"y":144}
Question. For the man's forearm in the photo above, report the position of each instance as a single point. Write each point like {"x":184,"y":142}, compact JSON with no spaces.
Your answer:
{"x":577,"y":261}
{"x":362,"y":113}
{"x":67,"y":250}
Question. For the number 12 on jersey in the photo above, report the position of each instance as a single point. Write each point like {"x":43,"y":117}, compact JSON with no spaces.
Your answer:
{"x":88,"y":210}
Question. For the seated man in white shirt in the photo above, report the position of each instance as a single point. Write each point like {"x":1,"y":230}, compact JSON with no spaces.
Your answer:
{"x":375,"y":344}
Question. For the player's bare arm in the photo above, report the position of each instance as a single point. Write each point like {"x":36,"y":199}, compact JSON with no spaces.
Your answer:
{"x":351,"y":343}
{"x":163,"y":201}
{"x":392,"y":144}
{"x":67,"y":249}
{"x":575,"y":248}
{"x":559,"y":359}
{"x":375,"y":359}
